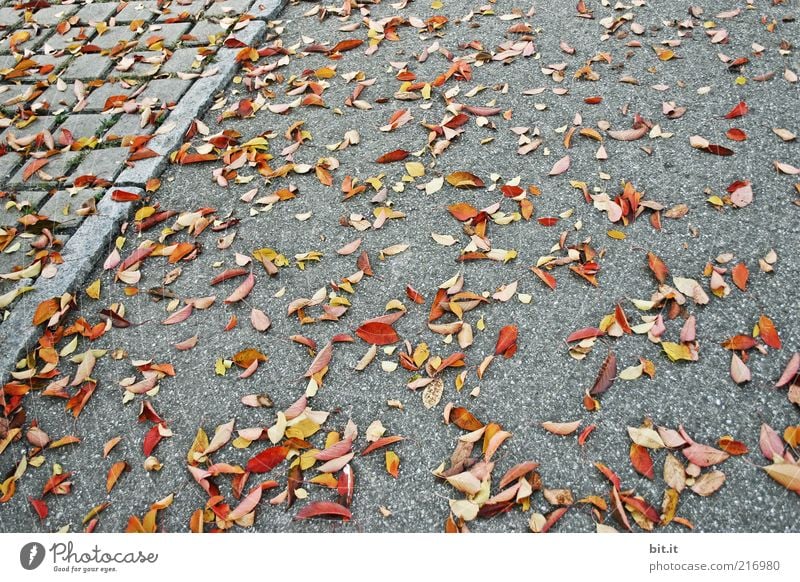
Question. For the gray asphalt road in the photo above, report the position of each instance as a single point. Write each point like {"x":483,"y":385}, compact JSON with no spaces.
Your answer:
{"x":541,"y":382}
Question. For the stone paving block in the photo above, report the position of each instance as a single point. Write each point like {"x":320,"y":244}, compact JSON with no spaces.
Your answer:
{"x":92,"y":66}
{"x":55,"y":170}
{"x":52,"y":15}
{"x":146,"y":64}
{"x":37,"y":37}
{"x":9,"y":17}
{"x":114,"y":36}
{"x":178,"y":11}
{"x":168,"y":35}
{"x":145,"y":10}
{"x":39,"y":124}
{"x":7,"y":62}
{"x":128,"y":125}
{"x":86,"y":125}
{"x":8,"y":163}
{"x":105,"y":163}
{"x":62,"y":206}
{"x":43,"y":70}
{"x":74,"y":36}
{"x":222,"y":8}
{"x":96,"y":100}
{"x":11,"y":93}
{"x":96,"y":12}
{"x":203,"y":30}
{"x":166,"y":90}
{"x":182,"y":60}
{"x":57,"y":99}
{"x":15,"y":205}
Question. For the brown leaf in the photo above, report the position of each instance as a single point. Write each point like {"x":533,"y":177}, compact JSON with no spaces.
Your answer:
{"x":464,"y":419}
{"x":464,"y":180}
{"x":606,"y":375}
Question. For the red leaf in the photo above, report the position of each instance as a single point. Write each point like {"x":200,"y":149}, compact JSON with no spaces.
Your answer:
{"x":414,"y":295}
{"x":377,"y":333}
{"x":546,"y":277}
{"x":267,"y":460}
{"x":736,"y":134}
{"x":393,"y":156}
{"x":507,"y":341}
{"x":324,"y":509}
{"x":739,"y":110}
{"x":585,"y":333}
{"x":39,"y":506}
{"x":151,"y":439}
{"x":718,"y":150}
{"x":123,"y":196}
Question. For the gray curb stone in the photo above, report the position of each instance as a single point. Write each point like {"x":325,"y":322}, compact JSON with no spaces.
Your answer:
{"x":85,"y":247}
{"x":17,"y":334}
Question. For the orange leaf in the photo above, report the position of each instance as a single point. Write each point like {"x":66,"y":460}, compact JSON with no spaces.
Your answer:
{"x":464,"y":419}
{"x":34,"y":167}
{"x":392,"y":463}
{"x":641,"y":461}
{"x":45,"y":311}
{"x":462,"y":211}
{"x":346,"y":45}
{"x":114,"y":473}
{"x":657,"y":266}
{"x":740,"y":274}
{"x":382,"y":442}
{"x":768,"y":332}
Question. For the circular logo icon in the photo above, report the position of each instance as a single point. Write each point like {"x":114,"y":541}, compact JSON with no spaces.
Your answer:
{"x":31,"y":555}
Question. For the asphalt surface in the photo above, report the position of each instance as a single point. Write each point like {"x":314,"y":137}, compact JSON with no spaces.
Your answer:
{"x":541,"y":382}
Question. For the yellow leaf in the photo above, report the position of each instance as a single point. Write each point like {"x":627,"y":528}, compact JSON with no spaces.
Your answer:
{"x":616,"y":234}
{"x":93,"y":290}
{"x":676,"y":352}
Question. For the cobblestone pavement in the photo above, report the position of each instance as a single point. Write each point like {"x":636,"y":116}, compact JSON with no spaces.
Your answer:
{"x":351,"y":295}
{"x":84,"y":87}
